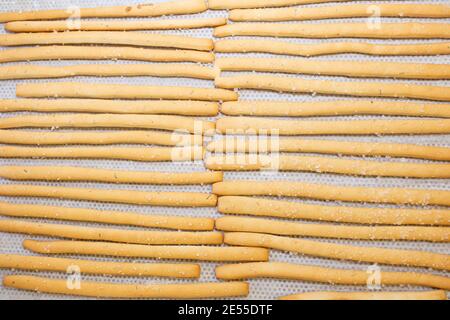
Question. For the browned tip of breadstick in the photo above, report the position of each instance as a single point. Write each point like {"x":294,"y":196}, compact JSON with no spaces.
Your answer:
{"x":111,"y":290}
{"x":405,"y":295}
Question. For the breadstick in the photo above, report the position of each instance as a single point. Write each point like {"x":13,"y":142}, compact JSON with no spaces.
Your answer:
{"x":120,"y":91}
{"x":410,"y":258}
{"x":249,"y":4}
{"x":406,"y":295}
{"x":341,"y":11}
{"x":253,"y":125}
{"x":60,"y":173}
{"x":140,"y":10}
{"x":115,"y":290}
{"x":108,"y":217}
{"x":332,"y":192}
{"x":171,"y":199}
{"x":103,"y":53}
{"x":19,"y":262}
{"x":335,"y":108}
{"x":138,"y":39}
{"x":199,"y":253}
{"x":251,"y":162}
{"x":167,"y":24}
{"x":404,"y":30}
{"x":324,"y":48}
{"x":366,"y":69}
{"x":297,"y":210}
{"x":327,"y":275}
{"x":107,"y":70}
{"x":110,"y":234}
{"x":346,"y":88}
{"x":241,"y":224}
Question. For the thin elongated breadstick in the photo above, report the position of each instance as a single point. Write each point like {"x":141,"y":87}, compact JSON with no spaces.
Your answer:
{"x":121,"y":91}
{"x":171,"y":199}
{"x":406,"y":295}
{"x":109,"y":217}
{"x":103,"y":53}
{"x":251,"y":162}
{"x":19,"y":262}
{"x":249,"y":4}
{"x":340,"y":251}
{"x":334,"y":108}
{"x":328,"y":87}
{"x":241,"y":224}
{"x":327,"y":275}
{"x":332,"y":192}
{"x":366,"y":69}
{"x":110,"y":234}
{"x":199,"y":253}
{"x":140,"y":10}
{"x":362,"y":215}
{"x":107,"y":70}
{"x":323,"y":48}
{"x":253,"y":125}
{"x":114,"y":290}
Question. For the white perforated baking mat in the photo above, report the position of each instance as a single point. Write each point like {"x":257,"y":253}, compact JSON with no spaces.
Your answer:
{"x":260,"y":289}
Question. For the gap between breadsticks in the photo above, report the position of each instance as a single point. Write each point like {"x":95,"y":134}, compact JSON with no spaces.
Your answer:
{"x":379,"y":295}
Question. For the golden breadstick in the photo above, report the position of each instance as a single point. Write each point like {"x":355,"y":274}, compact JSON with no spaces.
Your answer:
{"x":18,"y":262}
{"x":403,"y":30}
{"x":406,"y":295}
{"x":140,"y":10}
{"x":324,"y":48}
{"x":396,"y":10}
{"x":103,"y":53}
{"x":107,"y":70}
{"x":171,"y":199}
{"x":251,"y":162}
{"x":332,"y":192}
{"x":297,"y":210}
{"x":108,"y":37}
{"x":110,"y":234}
{"x":347,"y":88}
{"x":108,"y":217}
{"x":60,"y":173}
{"x":241,"y":224}
{"x":121,"y":91}
{"x":366,"y":69}
{"x":334,"y":108}
{"x":115,"y":290}
{"x":410,"y":258}
{"x":199,"y":253}
{"x":327,"y":275}
{"x":249,"y":4}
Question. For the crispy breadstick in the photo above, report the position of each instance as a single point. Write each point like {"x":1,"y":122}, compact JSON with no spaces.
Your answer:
{"x":332,"y":192}
{"x":110,"y":234}
{"x":317,"y":49}
{"x":253,"y":125}
{"x":249,"y":4}
{"x":241,"y":224}
{"x":346,"y":88}
{"x":410,"y":258}
{"x":108,"y":217}
{"x":406,"y":295}
{"x":251,"y":162}
{"x":121,"y":91}
{"x":334,"y":108}
{"x":171,"y":199}
{"x":396,"y":10}
{"x":140,"y":10}
{"x":326,"y":275}
{"x":297,"y":210}
{"x":199,"y":253}
{"x":103,"y":53}
{"x":19,"y":262}
{"x":115,"y":290}
{"x":107,"y":70}
{"x":366,"y":69}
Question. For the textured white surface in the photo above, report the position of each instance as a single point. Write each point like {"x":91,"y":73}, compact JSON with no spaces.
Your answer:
{"x":260,"y":289}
